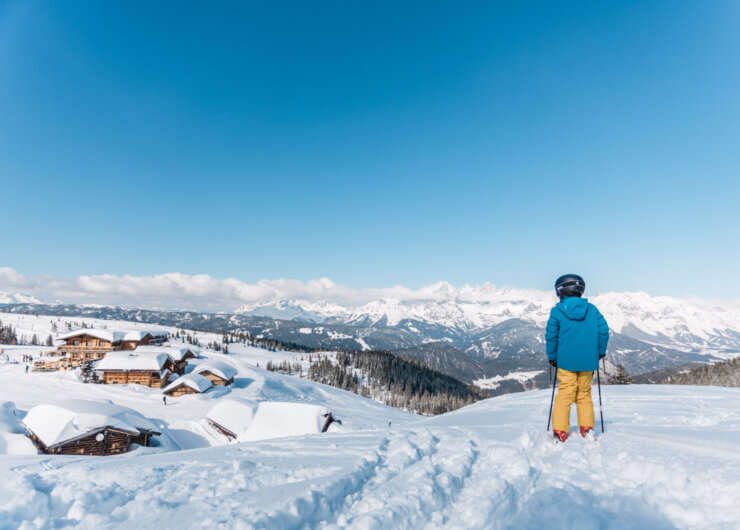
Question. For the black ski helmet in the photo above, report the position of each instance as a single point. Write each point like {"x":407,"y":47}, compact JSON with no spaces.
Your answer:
{"x":569,"y":285}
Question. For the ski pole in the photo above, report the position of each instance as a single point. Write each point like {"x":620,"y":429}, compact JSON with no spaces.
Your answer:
{"x":552,"y":399}
{"x":601,"y":409}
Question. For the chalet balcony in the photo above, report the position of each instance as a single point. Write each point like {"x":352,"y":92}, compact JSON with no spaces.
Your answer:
{"x":86,"y":349}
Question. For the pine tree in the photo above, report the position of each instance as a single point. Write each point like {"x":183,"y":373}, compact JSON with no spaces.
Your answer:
{"x":621,"y":377}
{"x":86,"y":372}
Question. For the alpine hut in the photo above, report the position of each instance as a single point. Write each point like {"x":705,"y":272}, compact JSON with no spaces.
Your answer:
{"x":188,"y":384}
{"x":91,"y":343}
{"x":218,"y":372}
{"x":179,"y":355}
{"x":81,"y":427}
{"x":150,"y":369}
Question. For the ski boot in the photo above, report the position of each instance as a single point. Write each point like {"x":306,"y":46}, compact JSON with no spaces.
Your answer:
{"x":559,"y":436}
{"x":587,"y":433}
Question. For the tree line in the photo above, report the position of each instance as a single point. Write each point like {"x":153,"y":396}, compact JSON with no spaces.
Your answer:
{"x":396,"y":381}
{"x":725,"y":373}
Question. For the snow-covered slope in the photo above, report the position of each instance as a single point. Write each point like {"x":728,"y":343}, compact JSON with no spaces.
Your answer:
{"x":670,"y":459}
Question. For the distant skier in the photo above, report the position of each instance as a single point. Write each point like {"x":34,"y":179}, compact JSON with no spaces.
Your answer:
{"x":577,"y":335}
{"x":164,"y":400}
{"x":26,"y":368}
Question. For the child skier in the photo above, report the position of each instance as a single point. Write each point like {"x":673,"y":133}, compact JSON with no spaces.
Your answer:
{"x":576,"y":337}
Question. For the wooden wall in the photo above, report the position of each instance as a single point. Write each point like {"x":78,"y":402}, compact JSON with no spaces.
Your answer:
{"x":215,"y":379}
{"x":181,"y":391}
{"x":150,"y":379}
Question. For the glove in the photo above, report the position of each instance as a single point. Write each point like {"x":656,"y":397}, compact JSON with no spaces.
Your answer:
{"x":553,"y":363}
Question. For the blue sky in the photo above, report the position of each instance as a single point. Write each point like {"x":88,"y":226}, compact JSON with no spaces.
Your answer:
{"x":375,"y":144}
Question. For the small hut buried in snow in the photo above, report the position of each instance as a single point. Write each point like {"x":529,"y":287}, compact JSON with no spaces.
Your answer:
{"x":150,"y":369}
{"x":81,"y":427}
{"x":232,"y":416}
{"x":246,"y":420}
{"x":188,"y":384}
{"x":219,"y":372}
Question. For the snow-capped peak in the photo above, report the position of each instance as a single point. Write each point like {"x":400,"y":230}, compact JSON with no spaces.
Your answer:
{"x":17,"y":298}
{"x":477,"y":307}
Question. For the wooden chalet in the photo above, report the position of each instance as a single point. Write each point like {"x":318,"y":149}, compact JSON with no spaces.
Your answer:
{"x":80,"y":427}
{"x":218,"y":372}
{"x":91,"y":344}
{"x":180,"y":355}
{"x":188,"y":384}
{"x":150,"y":369}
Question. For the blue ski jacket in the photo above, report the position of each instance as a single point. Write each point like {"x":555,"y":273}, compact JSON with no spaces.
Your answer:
{"x":577,"y":335}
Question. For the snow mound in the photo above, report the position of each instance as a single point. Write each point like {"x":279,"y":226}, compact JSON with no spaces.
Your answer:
{"x":58,"y":422}
{"x":280,"y":420}
{"x":233,"y":414}
{"x":13,"y":439}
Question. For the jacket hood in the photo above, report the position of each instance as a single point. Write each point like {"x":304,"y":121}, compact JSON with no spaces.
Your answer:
{"x":574,"y":308}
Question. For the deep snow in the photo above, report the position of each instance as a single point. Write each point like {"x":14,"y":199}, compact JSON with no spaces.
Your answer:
{"x":670,"y":459}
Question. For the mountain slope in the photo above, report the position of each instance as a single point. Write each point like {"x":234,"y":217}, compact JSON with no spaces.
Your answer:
{"x":663,"y":463}
{"x":445,"y":358}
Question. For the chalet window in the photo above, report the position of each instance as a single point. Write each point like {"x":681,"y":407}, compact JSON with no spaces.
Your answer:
{"x":77,"y":343}
{"x":89,"y":343}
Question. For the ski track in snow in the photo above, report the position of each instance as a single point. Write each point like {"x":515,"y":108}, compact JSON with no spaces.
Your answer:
{"x":485,"y":466}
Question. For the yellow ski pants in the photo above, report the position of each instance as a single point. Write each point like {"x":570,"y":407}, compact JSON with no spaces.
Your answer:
{"x":573,"y":387}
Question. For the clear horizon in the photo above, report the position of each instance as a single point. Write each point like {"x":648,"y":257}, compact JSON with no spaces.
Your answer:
{"x":374,"y":145}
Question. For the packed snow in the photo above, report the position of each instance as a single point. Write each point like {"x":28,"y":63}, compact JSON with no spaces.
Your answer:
{"x":670,"y":458}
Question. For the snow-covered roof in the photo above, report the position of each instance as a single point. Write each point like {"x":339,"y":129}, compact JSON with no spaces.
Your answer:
{"x":176,"y":353}
{"x":219,"y":368}
{"x":113,"y":335}
{"x":133,"y":360}
{"x":194,"y":381}
{"x":233,"y":414}
{"x":275,"y":419}
{"x":64,"y":420}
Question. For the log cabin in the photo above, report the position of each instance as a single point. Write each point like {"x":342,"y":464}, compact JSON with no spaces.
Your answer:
{"x":218,"y":372}
{"x":188,"y":384}
{"x":150,"y":369}
{"x":81,"y":427}
{"x":91,"y":344}
{"x":179,"y":355}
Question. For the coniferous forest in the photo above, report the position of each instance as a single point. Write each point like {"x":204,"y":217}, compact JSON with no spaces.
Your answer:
{"x":726,"y":373}
{"x":396,"y":381}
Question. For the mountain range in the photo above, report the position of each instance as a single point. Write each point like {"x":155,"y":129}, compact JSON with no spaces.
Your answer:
{"x":492,"y":337}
